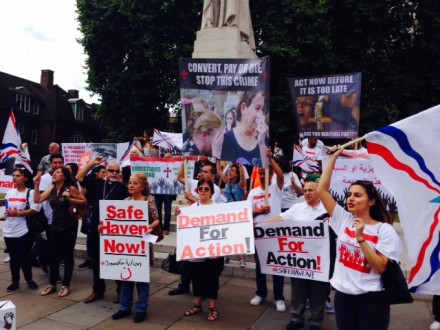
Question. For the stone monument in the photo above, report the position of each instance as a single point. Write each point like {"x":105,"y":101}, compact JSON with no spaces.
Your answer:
{"x":226,"y":30}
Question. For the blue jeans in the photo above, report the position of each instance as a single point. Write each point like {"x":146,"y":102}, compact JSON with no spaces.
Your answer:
{"x":278,"y":282}
{"x":126,"y":297}
{"x":362,"y":312}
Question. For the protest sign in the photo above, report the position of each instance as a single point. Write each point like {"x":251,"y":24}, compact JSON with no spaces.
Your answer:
{"x":162,"y":173}
{"x":356,"y":167}
{"x":294,"y":249}
{"x":124,"y":254}
{"x":111,"y":152}
{"x":327,"y":106}
{"x":8,"y":315}
{"x":215,"y":95}
{"x":5,"y":184}
{"x":215,"y":231}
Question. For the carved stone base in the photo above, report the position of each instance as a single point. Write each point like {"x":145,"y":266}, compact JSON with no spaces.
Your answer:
{"x":225,"y":42}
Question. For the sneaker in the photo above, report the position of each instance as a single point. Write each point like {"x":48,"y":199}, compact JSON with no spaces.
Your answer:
{"x":226,"y":260}
{"x":257,"y":300}
{"x":435,"y":326}
{"x":294,"y":326}
{"x":242,"y":263}
{"x":13,"y":287}
{"x":329,"y":308}
{"x":6,"y":260}
{"x":86,"y":264}
{"x":140,"y":317}
{"x":32,"y":285}
{"x":280,"y":305}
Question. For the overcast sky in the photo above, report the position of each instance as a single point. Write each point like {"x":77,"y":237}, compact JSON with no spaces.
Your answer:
{"x":41,"y":34}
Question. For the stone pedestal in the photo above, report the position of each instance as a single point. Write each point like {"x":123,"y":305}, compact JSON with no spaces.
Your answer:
{"x":224,"y":42}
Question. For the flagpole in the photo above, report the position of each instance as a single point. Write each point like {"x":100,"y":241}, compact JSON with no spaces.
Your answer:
{"x":358,"y":140}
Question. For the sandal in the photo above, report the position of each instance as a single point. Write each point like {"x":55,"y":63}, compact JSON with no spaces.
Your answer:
{"x":196,"y":309}
{"x":63,"y":292}
{"x":213,"y":314}
{"x":48,"y":290}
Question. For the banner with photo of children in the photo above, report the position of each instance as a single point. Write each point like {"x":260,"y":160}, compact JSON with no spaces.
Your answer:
{"x":225,"y":108}
{"x":327,"y":106}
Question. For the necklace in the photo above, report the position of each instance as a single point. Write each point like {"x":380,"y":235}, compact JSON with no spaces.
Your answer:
{"x":104,"y":196}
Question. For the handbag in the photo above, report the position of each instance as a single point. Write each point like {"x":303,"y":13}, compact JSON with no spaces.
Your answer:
{"x":394,"y":284}
{"x":171,"y":265}
{"x":77,"y":212}
{"x":36,"y":223}
{"x":86,"y":222}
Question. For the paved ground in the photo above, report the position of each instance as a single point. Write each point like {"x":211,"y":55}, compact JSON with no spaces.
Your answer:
{"x":166,"y":312}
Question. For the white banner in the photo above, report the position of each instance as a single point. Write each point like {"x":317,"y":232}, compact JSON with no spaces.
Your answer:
{"x":5,"y":184}
{"x":215,"y":230}
{"x":350,"y":169}
{"x":112,"y":152}
{"x":124,"y":253}
{"x":162,"y":173}
{"x":294,"y":249}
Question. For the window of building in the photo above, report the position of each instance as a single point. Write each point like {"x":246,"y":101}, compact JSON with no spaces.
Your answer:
{"x":24,"y":102}
{"x":34,"y":136}
{"x":77,"y":137}
{"x":36,"y":108}
{"x":78,"y":111}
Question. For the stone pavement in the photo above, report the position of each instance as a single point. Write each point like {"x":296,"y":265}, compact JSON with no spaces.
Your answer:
{"x":166,"y":312}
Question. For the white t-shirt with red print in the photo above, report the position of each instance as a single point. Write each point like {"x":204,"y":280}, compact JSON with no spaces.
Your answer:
{"x":353,"y":274}
{"x":16,"y":226}
{"x":216,"y":197}
{"x":256,"y":196}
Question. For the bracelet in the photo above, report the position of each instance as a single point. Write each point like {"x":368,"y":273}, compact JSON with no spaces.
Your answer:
{"x":361,"y":241}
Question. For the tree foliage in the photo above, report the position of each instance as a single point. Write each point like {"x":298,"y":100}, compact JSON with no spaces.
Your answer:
{"x":133,"y":49}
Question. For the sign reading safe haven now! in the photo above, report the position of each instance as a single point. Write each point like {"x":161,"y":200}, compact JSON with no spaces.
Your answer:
{"x":215,"y":230}
{"x":123,"y":250}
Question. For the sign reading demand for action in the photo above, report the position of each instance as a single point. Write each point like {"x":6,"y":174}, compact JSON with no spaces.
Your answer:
{"x":215,"y":230}
{"x":294,"y":249}
{"x":124,"y":253}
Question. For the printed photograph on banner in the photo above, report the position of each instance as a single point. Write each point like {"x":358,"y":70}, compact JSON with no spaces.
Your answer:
{"x":327,"y":106}
{"x":225,"y":109}
{"x":161,"y":173}
{"x":294,"y":249}
{"x":213,"y":231}
{"x":357,"y":167}
{"x":124,"y":253}
{"x":111,"y":152}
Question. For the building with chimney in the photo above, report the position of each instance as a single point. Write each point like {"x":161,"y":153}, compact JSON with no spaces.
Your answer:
{"x":46,"y":113}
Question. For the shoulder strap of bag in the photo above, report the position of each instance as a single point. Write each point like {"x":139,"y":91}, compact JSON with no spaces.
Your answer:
{"x":27,"y":198}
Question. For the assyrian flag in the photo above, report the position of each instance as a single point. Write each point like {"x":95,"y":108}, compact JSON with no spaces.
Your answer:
{"x":167,"y":140}
{"x":11,"y":145}
{"x":301,"y":159}
{"x":405,"y":158}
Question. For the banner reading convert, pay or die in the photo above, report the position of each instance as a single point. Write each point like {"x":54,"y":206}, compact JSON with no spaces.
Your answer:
{"x":327,"y":106}
{"x":5,"y":184}
{"x":162,"y":173}
{"x":221,"y":98}
{"x":124,"y":253}
{"x":111,"y":152}
{"x":294,"y":249}
{"x":352,"y":168}
{"x":215,"y":230}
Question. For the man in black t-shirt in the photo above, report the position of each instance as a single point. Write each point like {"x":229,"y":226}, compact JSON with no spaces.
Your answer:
{"x":108,"y":189}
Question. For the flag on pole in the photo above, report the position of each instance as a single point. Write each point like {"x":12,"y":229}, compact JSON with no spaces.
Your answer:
{"x":11,"y":145}
{"x":405,"y":159}
{"x":167,"y":140}
{"x":301,"y":159}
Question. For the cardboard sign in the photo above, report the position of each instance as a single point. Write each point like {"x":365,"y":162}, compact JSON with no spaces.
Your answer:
{"x":124,"y":253}
{"x":8,"y":315}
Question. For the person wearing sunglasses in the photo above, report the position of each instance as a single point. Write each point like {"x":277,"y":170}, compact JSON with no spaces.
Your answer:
{"x":364,"y":246}
{"x":205,"y":272}
{"x":109,"y":189}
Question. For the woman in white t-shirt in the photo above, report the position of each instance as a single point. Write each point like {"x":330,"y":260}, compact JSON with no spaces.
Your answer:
{"x":292,"y":187}
{"x":15,"y":231}
{"x":365,"y":245}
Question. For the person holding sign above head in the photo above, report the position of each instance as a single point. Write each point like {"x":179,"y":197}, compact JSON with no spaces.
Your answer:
{"x":205,"y":272}
{"x":365,"y":245}
{"x":140,"y":191}
{"x":247,"y":142}
{"x":61,"y":195}
{"x":262,"y":211}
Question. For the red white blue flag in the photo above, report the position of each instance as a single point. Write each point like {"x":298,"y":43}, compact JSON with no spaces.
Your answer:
{"x":11,"y":145}
{"x":167,"y":140}
{"x":405,"y":158}
{"x":301,"y":159}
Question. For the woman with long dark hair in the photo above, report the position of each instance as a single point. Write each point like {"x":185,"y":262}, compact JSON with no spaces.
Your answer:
{"x":365,"y":245}
{"x":18,"y":239}
{"x":62,"y":194}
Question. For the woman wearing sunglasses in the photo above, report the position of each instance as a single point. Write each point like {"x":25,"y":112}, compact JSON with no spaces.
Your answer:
{"x":205,"y":272}
{"x":365,"y":245}
{"x":61,"y":195}
{"x":18,"y":240}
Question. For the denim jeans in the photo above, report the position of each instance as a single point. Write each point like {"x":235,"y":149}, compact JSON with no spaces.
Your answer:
{"x":19,"y":249}
{"x":278,"y":282}
{"x":126,"y":297}
{"x":166,"y":201}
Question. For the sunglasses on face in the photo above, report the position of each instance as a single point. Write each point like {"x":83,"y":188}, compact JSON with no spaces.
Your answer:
{"x":204,"y":189}
{"x":113,"y":171}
